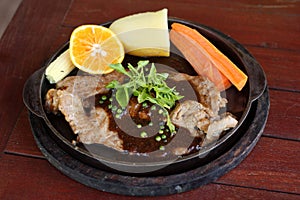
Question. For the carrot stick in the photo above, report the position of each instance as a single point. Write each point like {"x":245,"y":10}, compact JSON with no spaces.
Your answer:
{"x":199,"y":59}
{"x":221,"y":62}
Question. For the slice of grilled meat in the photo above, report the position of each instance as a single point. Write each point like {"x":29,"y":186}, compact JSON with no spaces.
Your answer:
{"x":69,"y":98}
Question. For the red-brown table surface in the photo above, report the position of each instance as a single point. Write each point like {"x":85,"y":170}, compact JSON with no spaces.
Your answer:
{"x":269,"y":29}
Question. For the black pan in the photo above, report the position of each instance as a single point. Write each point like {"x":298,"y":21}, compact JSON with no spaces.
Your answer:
{"x":239,"y":103}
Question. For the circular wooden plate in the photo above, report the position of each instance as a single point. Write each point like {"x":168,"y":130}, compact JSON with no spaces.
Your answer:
{"x":159,"y":185}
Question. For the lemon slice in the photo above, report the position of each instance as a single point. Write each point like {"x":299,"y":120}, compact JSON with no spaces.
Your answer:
{"x":93,"y":48}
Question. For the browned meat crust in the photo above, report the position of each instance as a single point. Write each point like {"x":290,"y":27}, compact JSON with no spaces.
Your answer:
{"x":201,"y":121}
{"x":208,"y":95}
{"x":86,"y":86}
{"x":68,"y":98}
{"x":91,"y":128}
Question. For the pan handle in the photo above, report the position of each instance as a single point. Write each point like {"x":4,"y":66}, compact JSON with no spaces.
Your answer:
{"x":257,"y":77}
{"x":31,"y":93}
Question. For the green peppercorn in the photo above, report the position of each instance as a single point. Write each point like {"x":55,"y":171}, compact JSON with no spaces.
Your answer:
{"x":162,"y":148}
{"x":144,"y":104}
{"x":119,"y":111}
{"x":158,"y":138}
{"x":144,"y":134}
{"x":104,"y":97}
{"x":114,"y":108}
{"x":118,"y":116}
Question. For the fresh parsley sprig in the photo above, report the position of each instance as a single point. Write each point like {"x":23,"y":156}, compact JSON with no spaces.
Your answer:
{"x":146,"y":86}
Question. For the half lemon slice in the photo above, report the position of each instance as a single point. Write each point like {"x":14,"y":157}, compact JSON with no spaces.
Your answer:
{"x":93,"y":48}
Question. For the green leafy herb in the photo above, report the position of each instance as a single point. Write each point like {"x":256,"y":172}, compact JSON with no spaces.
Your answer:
{"x":146,"y":86}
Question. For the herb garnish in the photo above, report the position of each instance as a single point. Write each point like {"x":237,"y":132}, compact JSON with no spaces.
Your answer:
{"x":146,"y":86}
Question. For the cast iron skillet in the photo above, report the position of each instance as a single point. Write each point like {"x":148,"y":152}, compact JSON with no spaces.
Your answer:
{"x":239,"y":103}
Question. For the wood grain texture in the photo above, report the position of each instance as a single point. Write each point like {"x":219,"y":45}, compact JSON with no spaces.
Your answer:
{"x":11,"y":103}
{"x":282,"y":68}
{"x":284,"y":120}
{"x":270,"y":160}
{"x":24,"y":47}
{"x":21,"y":141}
{"x":42,"y":177}
{"x":29,"y":36}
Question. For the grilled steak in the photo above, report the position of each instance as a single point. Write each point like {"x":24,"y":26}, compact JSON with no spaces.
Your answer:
{"x":201,"y":122}
{"x":193,"y":116}
{"x":217,"y":126}
{"x":207,"y":93}
{"x":75,"y":98}
{"x":69,"y":98}
{"x":91,"y":128}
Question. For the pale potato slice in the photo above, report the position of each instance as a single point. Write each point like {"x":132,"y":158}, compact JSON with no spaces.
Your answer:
{"x":144,"y":34}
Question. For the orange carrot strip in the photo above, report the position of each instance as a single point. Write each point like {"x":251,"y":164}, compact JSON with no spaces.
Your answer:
{"x":223,"y":63}
{"x":199,"y":59}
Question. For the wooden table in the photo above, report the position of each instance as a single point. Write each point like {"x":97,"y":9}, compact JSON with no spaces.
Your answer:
{"x":269,"y":29}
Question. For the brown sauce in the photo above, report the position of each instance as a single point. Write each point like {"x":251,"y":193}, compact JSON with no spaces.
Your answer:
{"x":142,"y":127}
